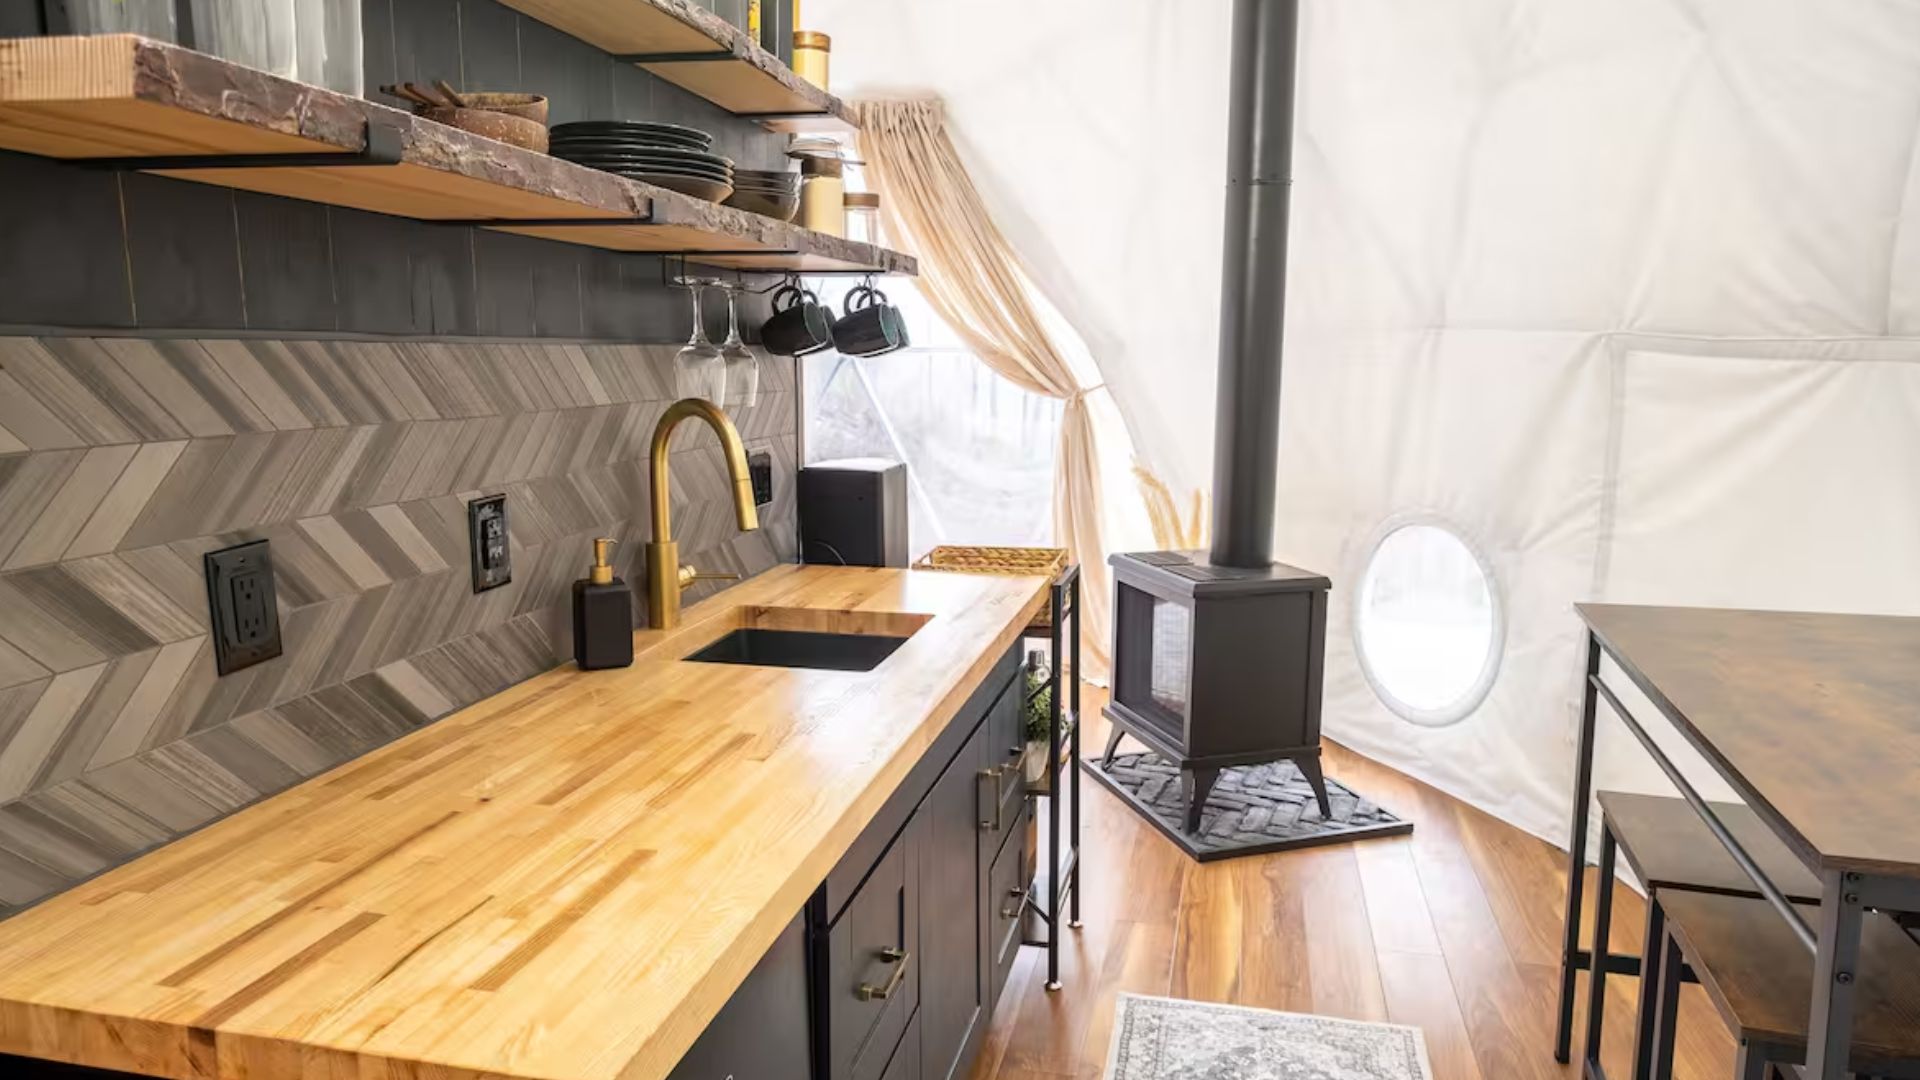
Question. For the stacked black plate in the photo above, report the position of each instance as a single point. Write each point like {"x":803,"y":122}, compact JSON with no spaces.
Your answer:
{"x":668,"y":155}
{"x":775,"y":194}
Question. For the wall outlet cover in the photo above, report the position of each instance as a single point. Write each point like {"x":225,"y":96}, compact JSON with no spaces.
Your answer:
{"x":243,"y":611}
{"x":760,"y":470}
{"x":490,"y":546}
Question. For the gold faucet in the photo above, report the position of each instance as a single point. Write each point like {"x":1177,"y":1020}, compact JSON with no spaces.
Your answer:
{"x":665,"y":576}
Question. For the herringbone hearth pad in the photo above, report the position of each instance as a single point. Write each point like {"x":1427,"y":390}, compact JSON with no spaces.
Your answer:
{"x":1252,"y":808}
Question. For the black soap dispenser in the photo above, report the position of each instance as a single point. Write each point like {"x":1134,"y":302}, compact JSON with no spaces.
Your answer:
{"x":602,"y":614}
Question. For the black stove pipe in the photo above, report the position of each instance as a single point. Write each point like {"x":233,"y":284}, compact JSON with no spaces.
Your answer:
{"x":1253,"y":281}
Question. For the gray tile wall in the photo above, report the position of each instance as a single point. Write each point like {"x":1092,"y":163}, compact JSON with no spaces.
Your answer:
{"x":85,"y":250}
{"x":197,"y":390}
{"x":123,"y":460}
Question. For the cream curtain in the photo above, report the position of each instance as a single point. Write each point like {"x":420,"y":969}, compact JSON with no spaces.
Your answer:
{"x":975,"y":281}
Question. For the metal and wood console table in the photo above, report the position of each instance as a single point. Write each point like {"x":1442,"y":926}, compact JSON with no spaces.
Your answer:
{"x":1815,"y":720}
{"x":1054,"y":896}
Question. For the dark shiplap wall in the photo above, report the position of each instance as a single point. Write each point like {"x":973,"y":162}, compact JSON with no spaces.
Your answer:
{"x":90,"y":250}
{"x":179,"y":377}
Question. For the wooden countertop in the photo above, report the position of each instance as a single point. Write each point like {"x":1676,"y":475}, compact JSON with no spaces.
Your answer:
{"x":563,"y":882}
{"x":1810,"y":716}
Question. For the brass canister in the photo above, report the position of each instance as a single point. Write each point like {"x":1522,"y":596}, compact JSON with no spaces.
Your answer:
{"x":810,"y":52}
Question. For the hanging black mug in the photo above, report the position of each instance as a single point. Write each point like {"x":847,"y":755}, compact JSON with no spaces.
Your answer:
{"x":871,"y":326}
{"x":801,"y":324}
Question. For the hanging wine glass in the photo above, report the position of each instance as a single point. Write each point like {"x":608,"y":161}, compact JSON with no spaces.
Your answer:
{"x":742,"y":366}
{"x":698,"y":368}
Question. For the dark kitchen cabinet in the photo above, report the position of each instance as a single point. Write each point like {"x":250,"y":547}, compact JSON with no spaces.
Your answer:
{"x":763,"y":1031}
{"x":949,"y":820}
{"x":1005,"y":745}
{"x":906,"y":1060}
{"x":874,"y":966}
{"x":892,"y":971}
{"x":1002,"y":904}
{"x":952,"y":992}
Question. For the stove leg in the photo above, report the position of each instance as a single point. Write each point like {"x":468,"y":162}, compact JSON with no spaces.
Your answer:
{"x":1196,"y":784}
{"x":1310,"y":770}
{"x":1113,"y":746}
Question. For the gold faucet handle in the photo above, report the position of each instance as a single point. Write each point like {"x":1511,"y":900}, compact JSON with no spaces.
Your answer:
{"x":689,"y":575}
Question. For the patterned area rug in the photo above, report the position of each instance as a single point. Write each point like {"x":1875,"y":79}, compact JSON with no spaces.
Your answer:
{"x":1252,"y":808}
{"x":1168,"y":1039}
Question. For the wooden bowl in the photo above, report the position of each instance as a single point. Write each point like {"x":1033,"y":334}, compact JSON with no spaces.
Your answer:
{"x":506,"y":127}
{"x":531,"y":106}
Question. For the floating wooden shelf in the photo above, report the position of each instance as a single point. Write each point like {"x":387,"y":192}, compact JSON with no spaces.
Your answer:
{"x":701,"y":53}
{"x":121,"y":96}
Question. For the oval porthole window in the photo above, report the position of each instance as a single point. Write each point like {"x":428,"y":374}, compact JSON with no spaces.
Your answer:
{"x":1427,"y":623}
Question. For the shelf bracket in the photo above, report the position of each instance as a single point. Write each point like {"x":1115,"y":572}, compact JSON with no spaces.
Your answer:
{"x":384,"y":146}
{"x":675,"y":57}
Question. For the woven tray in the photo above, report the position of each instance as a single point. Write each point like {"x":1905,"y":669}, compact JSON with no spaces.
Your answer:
{"x":1013,"y":561}
{"x":1047,"y":562}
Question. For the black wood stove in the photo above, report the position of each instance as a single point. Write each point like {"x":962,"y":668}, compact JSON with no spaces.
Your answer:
{"x":1217,"y":665}
{"x":1218,"y":655}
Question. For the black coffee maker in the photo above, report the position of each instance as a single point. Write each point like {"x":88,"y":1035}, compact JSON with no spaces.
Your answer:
{"x":854,"y":513}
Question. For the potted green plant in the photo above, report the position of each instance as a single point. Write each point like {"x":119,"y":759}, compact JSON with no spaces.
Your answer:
{"x":1038,"y":717}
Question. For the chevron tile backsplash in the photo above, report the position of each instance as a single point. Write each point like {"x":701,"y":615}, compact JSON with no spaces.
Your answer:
{"x":123,"y":460}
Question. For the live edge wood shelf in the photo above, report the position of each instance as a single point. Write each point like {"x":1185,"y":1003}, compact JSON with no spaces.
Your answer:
{"x":126,"y":97}
{"x":702,"y":54}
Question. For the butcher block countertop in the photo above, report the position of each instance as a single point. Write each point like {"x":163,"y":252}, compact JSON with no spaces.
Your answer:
{"x":563,"y":882}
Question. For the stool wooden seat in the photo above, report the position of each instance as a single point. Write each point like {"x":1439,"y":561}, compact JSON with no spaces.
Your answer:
{"x":1760,"y":977}
{"x":1669,"y":847}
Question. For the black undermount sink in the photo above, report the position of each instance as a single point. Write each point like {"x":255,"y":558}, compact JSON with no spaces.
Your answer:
{"x":800,"y":649}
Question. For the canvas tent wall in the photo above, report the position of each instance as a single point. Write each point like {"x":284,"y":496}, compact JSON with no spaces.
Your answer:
{"x":1626,"y":294}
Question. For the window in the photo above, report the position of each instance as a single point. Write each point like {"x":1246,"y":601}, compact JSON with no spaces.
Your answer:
{"x":979,"y":451}
{"x":1427,"y":622}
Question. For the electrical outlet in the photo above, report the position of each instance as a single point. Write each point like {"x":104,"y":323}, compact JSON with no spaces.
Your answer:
{"x":760,"y":470}
{"x":240,"y":599}
{"x":489,"y":545}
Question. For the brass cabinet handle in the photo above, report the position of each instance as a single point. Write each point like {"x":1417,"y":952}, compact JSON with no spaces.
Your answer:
{"x":993,"y":774}
{"x":896,"y":957}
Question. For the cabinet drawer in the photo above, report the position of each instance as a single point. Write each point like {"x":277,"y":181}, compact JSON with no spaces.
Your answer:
{"x":762,"y":1032}
{"x":1007,"y":884}
{"x":873,"y":978}
{"x":1006,"y":745}
{"x":999,"y":787}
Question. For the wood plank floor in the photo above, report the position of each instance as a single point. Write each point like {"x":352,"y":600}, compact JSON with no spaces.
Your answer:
{"x":1454,"y":929}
